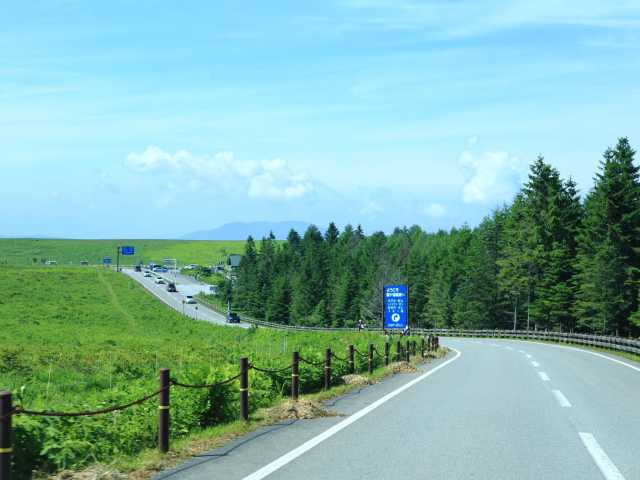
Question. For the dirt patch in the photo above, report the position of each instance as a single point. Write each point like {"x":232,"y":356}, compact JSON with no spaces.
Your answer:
{"x":96,"y":472}
{"x":291,"y":410}
{"x":355,"y":379}
{"x":401,"y":367}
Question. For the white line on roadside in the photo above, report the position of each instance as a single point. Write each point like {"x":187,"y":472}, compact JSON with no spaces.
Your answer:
{"x":604,"y":463}
{"x":562,"y":400}
{"x":522,"y":351}
{"x":510,"y":348}
{"x":544,"y":376}
{"x":309,"y":444}
{"x":529,"y":356}
{"x":535,"y":364}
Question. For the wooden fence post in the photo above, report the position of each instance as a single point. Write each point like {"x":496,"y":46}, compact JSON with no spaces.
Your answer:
{"x":327,"y":369}
{"x":352,"y":364}
{"x":244,"y":389}
{"x":408,"y":352}
{"x":370,"y":369}
{"x":386,"y":353}
{"x":398,"y":350}
{"x":5,"y":435}
{"x":422,"y":347}
{"x":163,"y":411}
{"x":295,"y":387}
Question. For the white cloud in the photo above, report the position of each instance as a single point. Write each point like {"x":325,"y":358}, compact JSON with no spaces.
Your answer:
{"x":267,"y":179}
{"x":493,"y":177}
{"x":435,"y":210}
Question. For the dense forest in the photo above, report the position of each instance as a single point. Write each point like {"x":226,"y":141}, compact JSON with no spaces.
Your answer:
{"x":549,"y":261}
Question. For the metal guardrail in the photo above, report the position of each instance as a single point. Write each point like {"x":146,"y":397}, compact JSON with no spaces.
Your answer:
{"x":622,"y":344}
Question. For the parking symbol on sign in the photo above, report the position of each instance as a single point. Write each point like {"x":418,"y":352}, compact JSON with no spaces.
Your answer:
{"x":395,"y":317}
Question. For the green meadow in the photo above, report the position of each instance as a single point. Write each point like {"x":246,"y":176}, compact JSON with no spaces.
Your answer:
{"x":24,"y":251}
{"x":85,"y":338}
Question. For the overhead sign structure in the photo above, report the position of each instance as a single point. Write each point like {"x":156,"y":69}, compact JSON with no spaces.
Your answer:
{"x":127,"y":250}
{"x":396,"y":303}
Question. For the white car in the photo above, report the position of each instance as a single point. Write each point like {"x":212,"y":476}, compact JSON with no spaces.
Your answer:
{"x":147,"y":274}
{"x":160,"y":281}
{"x":190,"y":299}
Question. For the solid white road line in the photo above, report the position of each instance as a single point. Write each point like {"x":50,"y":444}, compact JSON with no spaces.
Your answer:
{"x":510,"y":348}
{"x":544,"y":376}
{"x":309,"y":444}
{"x":604,"y":463}
{"x":529,"y":356}
{"x":522,"y":351}
{"x":535,"y":364}
{"x":562,"y":400}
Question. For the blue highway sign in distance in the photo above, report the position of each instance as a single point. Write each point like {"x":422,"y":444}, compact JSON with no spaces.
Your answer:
{"x":395,"y":306}
{"x":128,"y":250}
{"x":106,"y":260}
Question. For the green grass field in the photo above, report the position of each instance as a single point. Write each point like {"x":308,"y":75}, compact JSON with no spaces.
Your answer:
{"x":74,"y":339}
{"x":23,"y":252}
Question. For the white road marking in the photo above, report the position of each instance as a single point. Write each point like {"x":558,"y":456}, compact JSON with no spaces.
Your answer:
{"x":529,"y":356}
{"x":522,"y":351}
{"x":596,"y":354}
{"x":510,"y":348}
{"x":604,"y":463}
{"x":309,"y":444}
{"x":562,"y":400}
{"x":535,"y":364}
{"x":544,"y":377}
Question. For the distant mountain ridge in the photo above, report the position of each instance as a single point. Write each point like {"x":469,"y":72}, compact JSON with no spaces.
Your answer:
{"x":241,"y":230}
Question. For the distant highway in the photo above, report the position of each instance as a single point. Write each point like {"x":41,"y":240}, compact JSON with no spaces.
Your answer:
{"x":494,"y":409}
{"x":186,"y":285}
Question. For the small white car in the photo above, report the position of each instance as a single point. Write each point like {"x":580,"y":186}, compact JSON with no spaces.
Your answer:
{"x":147,"y":274}
{"x":160,"y":281}
{"x":190,"y":299}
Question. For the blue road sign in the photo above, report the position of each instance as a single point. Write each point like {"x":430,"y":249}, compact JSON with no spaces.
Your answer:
{"x":106,"y":260}
{"x":128,"y":250}
{"x":395,"y":306}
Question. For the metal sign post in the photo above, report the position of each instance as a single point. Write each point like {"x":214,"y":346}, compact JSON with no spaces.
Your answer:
{"x":395,"y":307}
{"x":124,"y":250}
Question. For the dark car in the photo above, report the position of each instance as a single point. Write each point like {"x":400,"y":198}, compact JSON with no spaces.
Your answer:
{"x":172,"y":287}
{"x":233,"y":317}
{"x":138,"y":268}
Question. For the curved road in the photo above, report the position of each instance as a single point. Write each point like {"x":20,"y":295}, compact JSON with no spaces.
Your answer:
{"x":186,"y":286}
{"x":501,"y":409}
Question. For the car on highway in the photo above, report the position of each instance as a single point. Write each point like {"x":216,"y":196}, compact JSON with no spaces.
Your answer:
{"x":233,"y":317}
{"x":160,"y":269}
{"x":160,"y":281}
{"x":171,"y":287}
{"x":147,"y":274}
{"x":190,"y":299}
{"x":84,"y":262}
{"x":138,"y":268}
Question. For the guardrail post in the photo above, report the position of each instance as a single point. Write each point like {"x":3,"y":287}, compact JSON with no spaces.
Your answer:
{"x":295,"y":387}
{"x":352,"y":364}
{"x":5,"y":435}
{"x":327,"y":369}
{"x":386,"y":353}
{"x":163,"y":411}
{"x":398,"y":349}
{"x":370,"y":358}
{"x":244,"y":389}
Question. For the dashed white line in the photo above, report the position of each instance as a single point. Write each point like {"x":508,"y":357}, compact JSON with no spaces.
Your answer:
{"x":544,"y":377}
{"x":522,"y":351}
{"x":535,"y":364}
{"x":604,"y":463}
{"x":562,"y":400}
{"x":529,"y":356}
{"x":309,"y":444}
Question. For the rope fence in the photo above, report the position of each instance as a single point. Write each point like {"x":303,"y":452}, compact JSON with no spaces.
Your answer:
{"x":8,"y":410}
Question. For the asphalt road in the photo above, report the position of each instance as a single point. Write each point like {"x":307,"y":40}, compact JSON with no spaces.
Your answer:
{"x":186,"y":286}
{"x":502,"y":409}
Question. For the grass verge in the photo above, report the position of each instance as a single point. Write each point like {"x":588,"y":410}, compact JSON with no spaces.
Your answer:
{"x":149,"y":462}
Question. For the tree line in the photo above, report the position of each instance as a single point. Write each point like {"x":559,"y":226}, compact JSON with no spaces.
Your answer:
{"x":548,"y":261}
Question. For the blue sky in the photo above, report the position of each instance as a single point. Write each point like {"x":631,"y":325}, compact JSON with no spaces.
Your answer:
{"x":153,"y":119}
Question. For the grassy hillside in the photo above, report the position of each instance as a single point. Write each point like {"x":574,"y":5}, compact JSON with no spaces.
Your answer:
{"x":74,"y":339}
{"x":23,"y":251}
